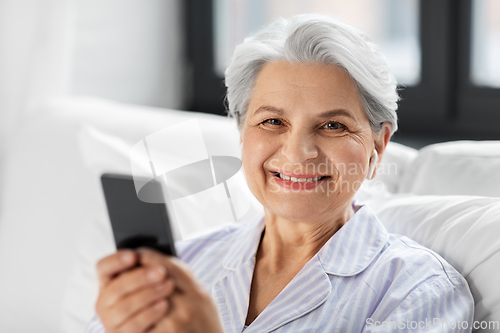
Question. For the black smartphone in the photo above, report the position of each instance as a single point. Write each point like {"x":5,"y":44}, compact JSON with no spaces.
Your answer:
{"x":135,"y":222}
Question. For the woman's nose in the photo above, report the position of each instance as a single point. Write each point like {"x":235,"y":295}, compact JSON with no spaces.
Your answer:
{"x":299,"y":146}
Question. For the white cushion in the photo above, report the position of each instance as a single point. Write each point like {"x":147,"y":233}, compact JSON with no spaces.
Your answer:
{"x":457,"y":168}
{"x":94,"y":242}
{"x":397,"y":158}
{"x":462,"y":229}
{"x":46,"y":200}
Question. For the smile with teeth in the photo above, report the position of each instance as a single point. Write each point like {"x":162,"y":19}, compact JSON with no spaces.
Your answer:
{"x":297,"y":180}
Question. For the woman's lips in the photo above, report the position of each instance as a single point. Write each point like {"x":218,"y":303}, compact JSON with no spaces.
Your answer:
{"x":298,"y":182}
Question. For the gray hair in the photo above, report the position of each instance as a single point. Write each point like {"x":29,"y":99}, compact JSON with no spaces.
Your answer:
{"x":317,"y":39}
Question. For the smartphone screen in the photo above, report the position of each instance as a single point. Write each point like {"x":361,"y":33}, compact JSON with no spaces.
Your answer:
{"x":136,"y":223}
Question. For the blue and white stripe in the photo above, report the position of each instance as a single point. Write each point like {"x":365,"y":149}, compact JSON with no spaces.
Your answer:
{"x":362,"y":276}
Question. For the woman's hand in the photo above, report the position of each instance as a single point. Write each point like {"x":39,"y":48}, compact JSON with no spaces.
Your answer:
{"x":190,"y":307}
{"x":131,"y":299}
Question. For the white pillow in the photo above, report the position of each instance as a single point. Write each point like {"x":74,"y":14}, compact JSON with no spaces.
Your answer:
{"x":462,"y":229}
{"x":78,"y":306}
{"x":46,"y":198}
{"x":397,"y":158}
{"x":455,"y":168}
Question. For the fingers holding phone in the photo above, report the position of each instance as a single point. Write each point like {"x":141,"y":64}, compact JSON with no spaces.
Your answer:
{"x":132,"y":298}
{"x":191,"y":308}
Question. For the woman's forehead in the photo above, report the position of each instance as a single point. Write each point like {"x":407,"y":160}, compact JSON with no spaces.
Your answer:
{"x":323,"y":87}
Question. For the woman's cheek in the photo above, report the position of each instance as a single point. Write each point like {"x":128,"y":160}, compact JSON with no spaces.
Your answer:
{"x":350,"y":165}
{"x":256,"y":150}
{"x":256,"y":144}
{"x":250,"y":154}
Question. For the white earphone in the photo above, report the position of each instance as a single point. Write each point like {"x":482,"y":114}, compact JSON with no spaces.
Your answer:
{"x":373,"y":163}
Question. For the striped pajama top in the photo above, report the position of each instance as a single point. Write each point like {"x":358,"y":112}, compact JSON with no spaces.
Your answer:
{"x":362,"y":280}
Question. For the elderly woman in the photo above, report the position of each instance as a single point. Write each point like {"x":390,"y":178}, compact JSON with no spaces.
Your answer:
{"x":315,"y":104}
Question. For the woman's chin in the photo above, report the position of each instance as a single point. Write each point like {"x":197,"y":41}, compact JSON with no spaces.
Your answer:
{"x":296,"y":209}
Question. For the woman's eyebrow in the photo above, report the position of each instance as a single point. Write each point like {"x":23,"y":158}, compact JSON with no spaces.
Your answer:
{"x":334,"y":113}
{"x":327,"y":114}
{"x":269,"y":109}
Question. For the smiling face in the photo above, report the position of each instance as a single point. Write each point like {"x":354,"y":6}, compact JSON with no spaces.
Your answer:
{"x":306,"y":141}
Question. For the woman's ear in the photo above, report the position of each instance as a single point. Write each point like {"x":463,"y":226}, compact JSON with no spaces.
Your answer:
{"x":372,"y":165}
{"x":381,"y":141}
{"x":242,"y":133}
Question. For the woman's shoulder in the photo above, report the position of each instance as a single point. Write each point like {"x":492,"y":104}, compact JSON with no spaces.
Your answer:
{"x":397,"y":255}
{"x":406,"y":259}
{"x":416,"y":280}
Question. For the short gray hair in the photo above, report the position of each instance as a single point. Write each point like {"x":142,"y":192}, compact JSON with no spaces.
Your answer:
{"x":317,"y":39}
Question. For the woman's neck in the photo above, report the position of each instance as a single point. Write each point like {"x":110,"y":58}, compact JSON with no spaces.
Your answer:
{"x":287,"y":243}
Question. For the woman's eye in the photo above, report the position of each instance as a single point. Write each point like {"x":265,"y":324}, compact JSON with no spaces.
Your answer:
{"x":274,"y":122}
{"x":333,"y":125}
